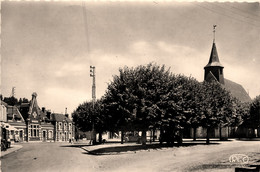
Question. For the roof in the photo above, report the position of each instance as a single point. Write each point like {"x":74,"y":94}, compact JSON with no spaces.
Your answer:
{"x":237,"y":91}
{"x":214,"y":60}
{"x":12,"y":110}
{"x":60,"y":117}
{"x":3,"y":103}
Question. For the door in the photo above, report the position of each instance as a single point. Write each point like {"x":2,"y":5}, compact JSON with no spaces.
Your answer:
{"x":21,"y":135}
{"x":44,"y":135}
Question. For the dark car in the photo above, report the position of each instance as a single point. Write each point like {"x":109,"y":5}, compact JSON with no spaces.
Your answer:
{"x":170,"y":138}
{"x":5,"y":144}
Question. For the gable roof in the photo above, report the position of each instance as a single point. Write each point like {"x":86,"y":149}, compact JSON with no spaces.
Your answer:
{"x":237,"y":91}
{"x":214,"y":60}
{"x":60,"y":117}
{"x":3,"y":103}
{"x":12,"y":111}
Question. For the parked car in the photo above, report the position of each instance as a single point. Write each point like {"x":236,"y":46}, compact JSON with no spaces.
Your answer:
{"x":170,"y":138}
{"x":5,"y":144}
{"x":131,"y":137}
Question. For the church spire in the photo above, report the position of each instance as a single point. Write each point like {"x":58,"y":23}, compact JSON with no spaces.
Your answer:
{"x":214,"y":32}
{"x":214,"y":60}
{"x":214,"y":67}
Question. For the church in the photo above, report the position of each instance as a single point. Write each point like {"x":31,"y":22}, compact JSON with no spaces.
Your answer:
{"x":214,"y":71}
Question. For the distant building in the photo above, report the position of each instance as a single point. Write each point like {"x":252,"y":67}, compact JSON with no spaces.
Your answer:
{"x":64,"y":130}
{"x":16,"y":127}
{"x":29,"y":122}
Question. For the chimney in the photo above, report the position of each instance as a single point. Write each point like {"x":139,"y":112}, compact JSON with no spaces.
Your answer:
{"x":66,"y":114}
{"x":43,"y":109}
{"x":49,"y":114}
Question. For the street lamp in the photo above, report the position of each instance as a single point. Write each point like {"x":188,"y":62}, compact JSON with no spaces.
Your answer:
{"x":92,"y":74}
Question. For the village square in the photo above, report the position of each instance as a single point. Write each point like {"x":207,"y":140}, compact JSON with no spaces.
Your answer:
{"x":154,"y":86}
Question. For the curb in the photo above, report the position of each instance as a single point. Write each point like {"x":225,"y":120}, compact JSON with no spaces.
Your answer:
{"x":13,"y":148}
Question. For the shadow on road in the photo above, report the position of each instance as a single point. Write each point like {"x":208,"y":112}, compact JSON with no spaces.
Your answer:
{"x":77,"y":145}
{"x":133,"y":148}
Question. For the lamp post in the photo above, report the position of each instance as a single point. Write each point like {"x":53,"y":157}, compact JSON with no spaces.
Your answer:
{"x":92,"y":74}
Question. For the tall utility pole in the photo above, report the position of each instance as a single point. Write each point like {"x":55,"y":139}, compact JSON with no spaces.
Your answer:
{"x":13,"y":92}
{"x":93,"y":75}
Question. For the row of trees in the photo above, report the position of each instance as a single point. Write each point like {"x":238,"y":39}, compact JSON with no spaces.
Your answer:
{"x":151,"y":97}
{"x":13,"y":101}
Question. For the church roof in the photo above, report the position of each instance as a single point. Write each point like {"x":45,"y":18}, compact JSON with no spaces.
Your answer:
{"x":214,"y":60}
{"x":237,"y":91}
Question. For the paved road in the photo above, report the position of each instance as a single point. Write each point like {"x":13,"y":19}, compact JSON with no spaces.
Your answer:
{"x":38,"y":157}
{"x":48,"y":157}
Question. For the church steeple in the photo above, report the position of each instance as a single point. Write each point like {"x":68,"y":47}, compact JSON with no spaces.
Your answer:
{"x":214,"y":69}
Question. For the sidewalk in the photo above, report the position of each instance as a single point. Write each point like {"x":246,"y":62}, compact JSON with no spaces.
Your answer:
{"x":14,"y":147}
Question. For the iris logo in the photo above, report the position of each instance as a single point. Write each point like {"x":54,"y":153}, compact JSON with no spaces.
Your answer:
{"x":239,"y":158}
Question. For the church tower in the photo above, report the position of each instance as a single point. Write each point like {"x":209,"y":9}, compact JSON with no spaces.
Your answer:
{"x":214,"y":69}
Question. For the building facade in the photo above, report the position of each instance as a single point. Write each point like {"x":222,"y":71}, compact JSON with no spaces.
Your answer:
{"x":64,"y":130}
{"x":30,"y":123}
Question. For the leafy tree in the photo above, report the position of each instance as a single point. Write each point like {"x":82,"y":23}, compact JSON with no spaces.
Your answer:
{"x":217,"y":108}
{"x":251,"y":117}
{"x":255,"y":112}
{"x":86,"y":117}
{"x":22,"y":100}
{"x":133,"y":98}
{"x":179,"y":104}
{"x":11,"y":101}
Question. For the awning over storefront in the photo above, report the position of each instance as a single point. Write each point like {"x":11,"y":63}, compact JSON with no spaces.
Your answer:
{"x":9,"y":127}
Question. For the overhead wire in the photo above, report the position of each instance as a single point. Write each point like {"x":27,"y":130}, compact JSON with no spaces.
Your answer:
{"x":246,"y":12}
{"x":84,"y":11}
{"x":217,"y":12}
{"x":248,"y":17}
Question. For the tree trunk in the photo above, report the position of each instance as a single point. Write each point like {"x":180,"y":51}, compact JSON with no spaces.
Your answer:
{"x":194,"y":133}
{"x":207,"y":136}
{"x":220,"y":133}
{"x":122,"y":137}
{"x":153,"y":135}
{"x":100,"y":137}
{"x":143,"y":137}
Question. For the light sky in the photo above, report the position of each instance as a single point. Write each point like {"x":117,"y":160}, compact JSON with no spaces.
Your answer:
{"x":47,"y":47}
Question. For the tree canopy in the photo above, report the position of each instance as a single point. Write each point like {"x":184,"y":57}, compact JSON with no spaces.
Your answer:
{"x":151,"y":97}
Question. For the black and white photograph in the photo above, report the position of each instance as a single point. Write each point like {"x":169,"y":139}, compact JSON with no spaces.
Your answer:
{"x":130,"y":86}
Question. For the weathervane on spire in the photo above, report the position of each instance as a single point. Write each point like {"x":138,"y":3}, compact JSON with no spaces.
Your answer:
{"x":214,"y":30}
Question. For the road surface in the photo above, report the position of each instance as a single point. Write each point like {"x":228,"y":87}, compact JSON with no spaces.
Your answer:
{"x":65,"y":157}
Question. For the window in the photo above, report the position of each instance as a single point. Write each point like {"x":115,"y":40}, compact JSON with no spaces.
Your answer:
{"x":70,"y":126}
{"x":34,"y":130}
{"x":60,"y":125}
{"x":65,"y":126}
{"x":50,"y":135}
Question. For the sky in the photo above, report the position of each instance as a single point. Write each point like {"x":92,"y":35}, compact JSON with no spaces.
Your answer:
{"x":47,"y":47}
